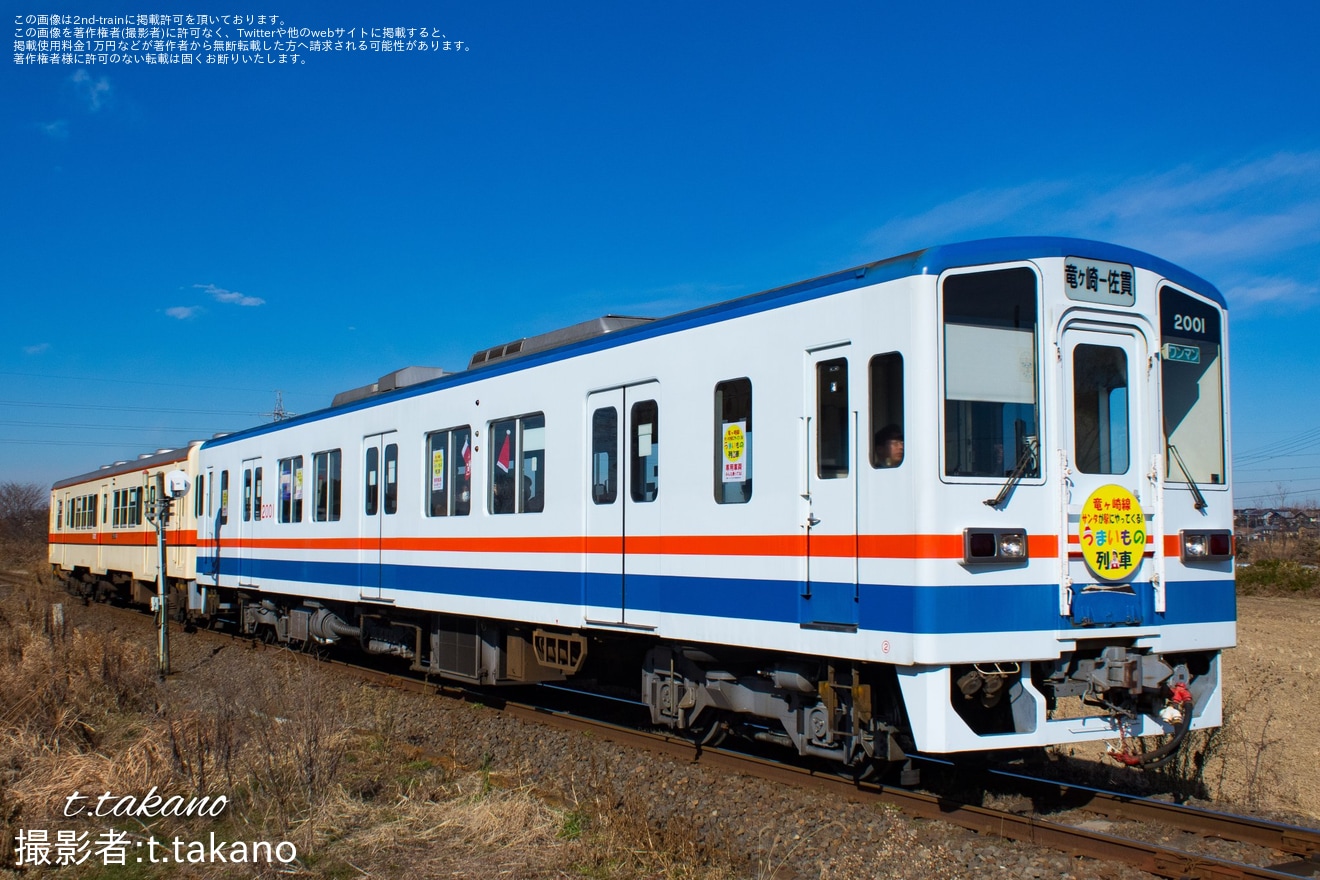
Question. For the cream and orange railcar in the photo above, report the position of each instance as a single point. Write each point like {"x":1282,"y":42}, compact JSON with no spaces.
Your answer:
{"x":102,"y":540}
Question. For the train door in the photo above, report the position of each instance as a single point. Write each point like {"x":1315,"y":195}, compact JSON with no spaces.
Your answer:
{"x":379,"y":515}
{"x":828,"y":596}
{"x":623,"y":563}
{"x":144,"y":530}
{"x":1108,"y":447}
{"x":59,"y":545}
{"x":104,"y":535}
{"x":208,"y":531}
{"x":249,"y":520}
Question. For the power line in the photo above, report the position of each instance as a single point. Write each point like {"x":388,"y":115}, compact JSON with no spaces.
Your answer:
{"x":151,"y":409}
{"x":1308,"y":439}
{"x":1289,"y":491}
{"x":1275,"y":480}
{"x":137,"y":382}
{"x":23,"y":424}
{"x":90,"y":443}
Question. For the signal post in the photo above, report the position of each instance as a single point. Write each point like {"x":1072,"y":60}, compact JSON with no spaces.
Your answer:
{"x":168,"y":487}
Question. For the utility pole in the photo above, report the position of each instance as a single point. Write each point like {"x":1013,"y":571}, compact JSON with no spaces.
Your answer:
{"x":168,"y":487}
{"x":159,"y":514}
{"x":279,"y":414}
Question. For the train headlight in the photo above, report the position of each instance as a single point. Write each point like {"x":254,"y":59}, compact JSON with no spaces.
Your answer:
{"x":991,"y":546}
{"x":1013,"y":545}
{"x":1211,"y":545}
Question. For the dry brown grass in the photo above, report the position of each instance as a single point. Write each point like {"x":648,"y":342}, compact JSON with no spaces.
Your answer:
{"x":81,"y":709}
{"x":1302,"y":548}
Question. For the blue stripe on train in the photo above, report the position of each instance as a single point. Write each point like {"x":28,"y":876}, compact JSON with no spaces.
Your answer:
{"x":886,"y":607}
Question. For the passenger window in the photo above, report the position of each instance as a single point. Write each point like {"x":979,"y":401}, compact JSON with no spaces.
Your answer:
{"x":437,"y":492}
{"x":224,"y":497}
{"x":604,"y":448}
{"x":328,"y":482}
{"x":257,"y":511}
{"x":503,"y":466}
{"x":449,"y":490}
{"x":291,"y":489}
{"x":733,"y":441}
{"x":392,"y":478}
{"x":247,"y":494}
{"x":517,"y":470}
{"x":372,"y":481}
{"x":832,"y":452}
{"x":644,"y":470}
{"x":887,"y":410}
{"x":460,"y":471}
{"x":1100,"y":409}
{"x":199,"y":494}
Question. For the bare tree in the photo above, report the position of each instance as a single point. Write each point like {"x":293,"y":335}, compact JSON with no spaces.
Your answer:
{"x":24,"y":513}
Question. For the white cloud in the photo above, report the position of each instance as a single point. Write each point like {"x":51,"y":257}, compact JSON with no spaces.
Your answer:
{"x":1237,"y":220}
{"x":39,"y":348}
{"x":1265,"y":291}
{"x":976,"y":214}
{"x":671,"y":299}
{"x":183,"y":313}
{"x":230,"y":296}
{"x":96,"y":92}
{"x":59,"y":129}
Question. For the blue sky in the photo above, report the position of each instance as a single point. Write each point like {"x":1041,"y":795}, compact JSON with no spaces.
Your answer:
{"x":179,"y":242}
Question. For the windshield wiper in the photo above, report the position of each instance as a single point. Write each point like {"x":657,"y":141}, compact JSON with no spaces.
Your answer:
{"x":1199,"y":503}
{"x":1026,"y":460}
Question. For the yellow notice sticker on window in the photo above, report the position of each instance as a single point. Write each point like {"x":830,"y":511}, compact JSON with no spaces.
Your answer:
{"x":1112,"y":532}
{"x":735,"y":443}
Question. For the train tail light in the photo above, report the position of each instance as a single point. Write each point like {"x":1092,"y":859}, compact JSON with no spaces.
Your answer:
{"x":1213,"y":545}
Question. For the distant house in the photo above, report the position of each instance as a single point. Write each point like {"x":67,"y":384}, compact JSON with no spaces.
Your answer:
{"x":1256,"y":523}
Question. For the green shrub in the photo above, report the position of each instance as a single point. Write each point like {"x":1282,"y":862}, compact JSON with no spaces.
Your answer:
{"x":1277,"y":577}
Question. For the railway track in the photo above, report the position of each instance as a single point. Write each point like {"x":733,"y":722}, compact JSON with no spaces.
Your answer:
{"x":1298,"y":846}
{"x":1290,"y":850}
{"x":1263,"y":849}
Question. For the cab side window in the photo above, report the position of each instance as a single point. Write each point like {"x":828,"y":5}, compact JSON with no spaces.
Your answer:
{"x":886,"y":376}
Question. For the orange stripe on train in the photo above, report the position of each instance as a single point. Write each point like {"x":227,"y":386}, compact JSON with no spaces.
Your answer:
{"x":173,"y":537}
{"x":842,"y":546}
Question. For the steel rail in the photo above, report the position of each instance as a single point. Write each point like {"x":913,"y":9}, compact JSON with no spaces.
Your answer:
{"x":1280,"y":836}
{"x":1152,"y":858}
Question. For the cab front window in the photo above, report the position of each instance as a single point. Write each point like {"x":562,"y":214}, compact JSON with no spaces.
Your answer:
{"x":991,"y":406}
{"x":1192,"y":389}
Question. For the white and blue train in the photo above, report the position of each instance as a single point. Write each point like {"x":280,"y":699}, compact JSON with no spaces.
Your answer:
{"x":975,"y":497}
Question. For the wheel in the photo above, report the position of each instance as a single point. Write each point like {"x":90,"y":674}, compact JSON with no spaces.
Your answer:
{"x":710,"y":730}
